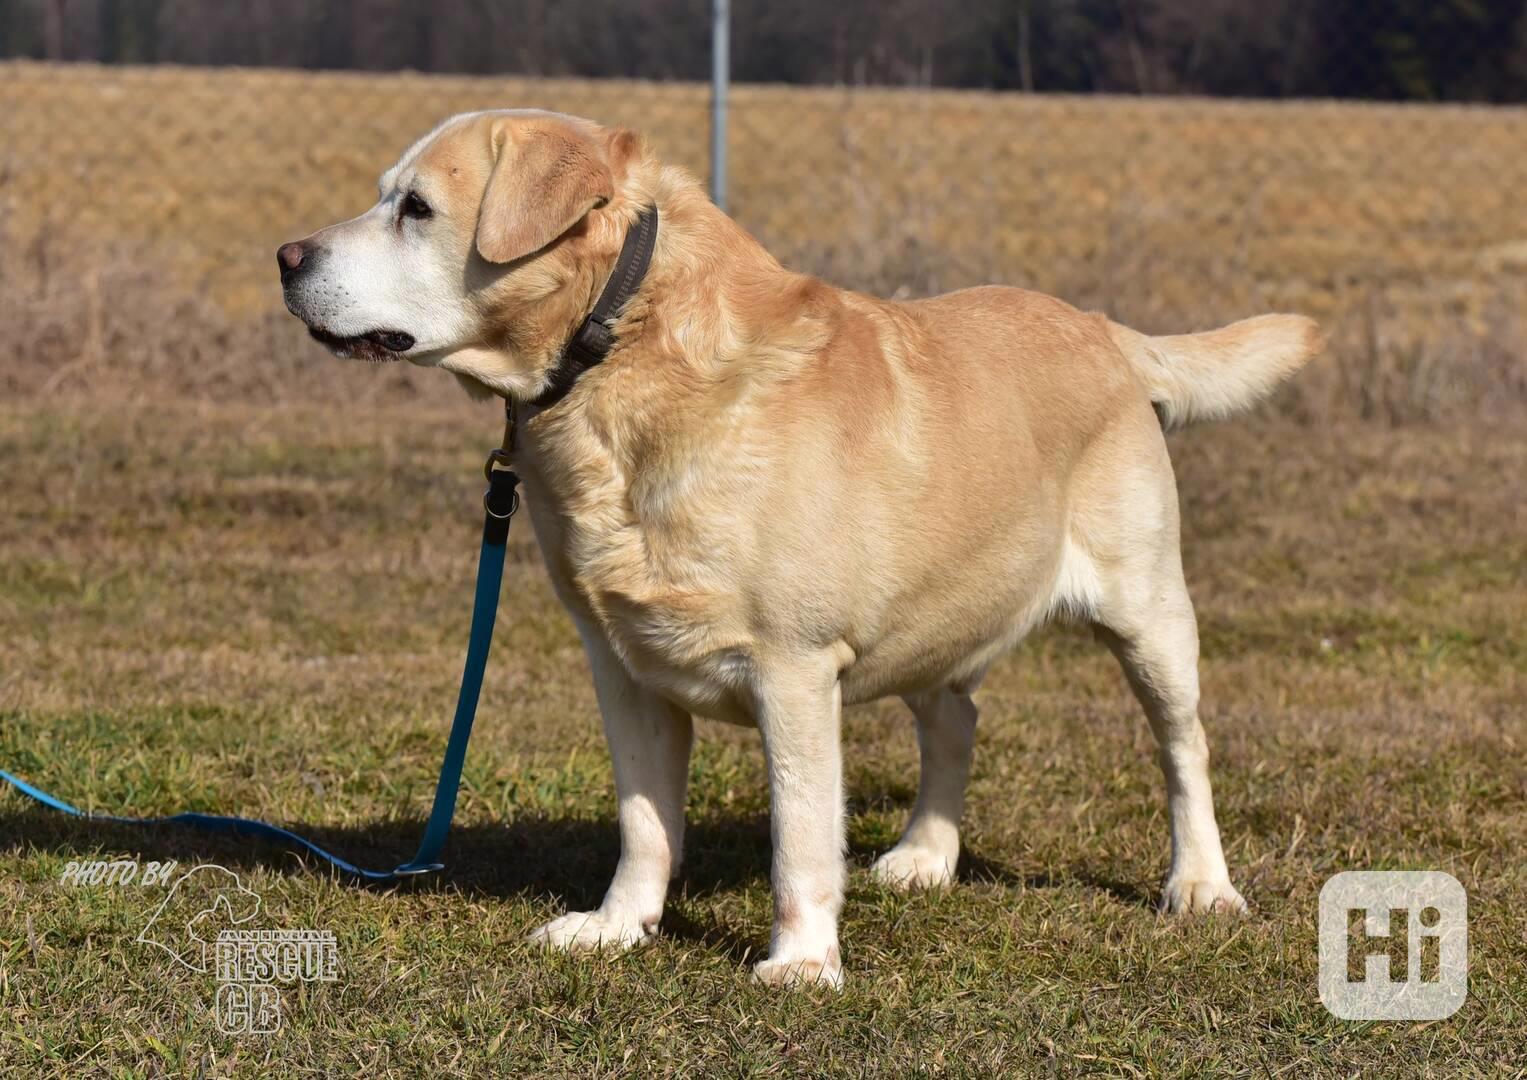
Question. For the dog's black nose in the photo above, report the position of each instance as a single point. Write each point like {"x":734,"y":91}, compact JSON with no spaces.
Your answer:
{"x":289,"y":257}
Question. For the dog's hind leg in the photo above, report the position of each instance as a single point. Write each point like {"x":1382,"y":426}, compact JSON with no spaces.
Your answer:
{"x":930,"y":847}
{"x":1147,"y":620}
{"x":1125,"y":574}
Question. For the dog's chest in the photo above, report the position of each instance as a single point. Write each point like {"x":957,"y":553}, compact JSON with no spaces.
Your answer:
{"x":651,"y":573}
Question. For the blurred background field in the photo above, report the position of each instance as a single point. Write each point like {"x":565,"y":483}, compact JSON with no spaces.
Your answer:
{"x":140,"y":209}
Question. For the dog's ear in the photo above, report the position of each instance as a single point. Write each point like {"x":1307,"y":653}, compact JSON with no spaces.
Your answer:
{"x":542,"y":184}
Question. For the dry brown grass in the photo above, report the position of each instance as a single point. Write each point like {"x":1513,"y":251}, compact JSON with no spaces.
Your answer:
{"x":254,"y":609}
{"x":140,"y":208}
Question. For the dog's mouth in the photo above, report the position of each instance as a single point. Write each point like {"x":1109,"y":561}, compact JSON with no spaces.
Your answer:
{"x":376,"y":346}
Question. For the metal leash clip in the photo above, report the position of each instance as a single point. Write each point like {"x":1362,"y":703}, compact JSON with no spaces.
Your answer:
{"x":499,"y":457}
{"x":504,"y":454}
{"x":499,"y":467}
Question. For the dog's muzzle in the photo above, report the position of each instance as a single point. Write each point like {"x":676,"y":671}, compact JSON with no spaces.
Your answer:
{"x":295,"y":261}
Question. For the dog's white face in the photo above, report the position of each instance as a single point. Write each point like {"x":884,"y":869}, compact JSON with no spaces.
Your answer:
{"x":388,"y":284}
{"x":475,"y":233}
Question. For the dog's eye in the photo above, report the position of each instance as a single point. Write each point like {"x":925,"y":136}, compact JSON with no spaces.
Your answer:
{"x":415,"y":207}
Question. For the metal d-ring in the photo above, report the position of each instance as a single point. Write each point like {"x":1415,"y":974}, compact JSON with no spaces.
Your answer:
{"x":407,"y":870}
{"x":514,"y":504}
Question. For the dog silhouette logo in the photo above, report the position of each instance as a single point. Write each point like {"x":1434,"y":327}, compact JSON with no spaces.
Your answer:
{"x":203,"y":902}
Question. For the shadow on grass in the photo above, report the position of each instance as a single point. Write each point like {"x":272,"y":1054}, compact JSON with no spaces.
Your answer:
{"x":568,"y":859}
{"x":975,"y":868}
{"x":567,"y":862}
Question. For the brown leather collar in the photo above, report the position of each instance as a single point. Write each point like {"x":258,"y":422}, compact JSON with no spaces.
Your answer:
{"x":596,"y":336}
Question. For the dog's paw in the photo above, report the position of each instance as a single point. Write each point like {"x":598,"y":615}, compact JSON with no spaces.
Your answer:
{"x":790,"y":970}
{"x":908,"y":868}
{"x":1186,"y":896}
{"x":579,"y":930}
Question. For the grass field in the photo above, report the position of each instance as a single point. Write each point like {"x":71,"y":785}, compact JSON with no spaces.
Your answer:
{"x":235,"y":576}
{"x":259,"y":610}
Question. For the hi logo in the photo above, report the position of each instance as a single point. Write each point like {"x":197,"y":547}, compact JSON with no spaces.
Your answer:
{"x":1394,"y":945}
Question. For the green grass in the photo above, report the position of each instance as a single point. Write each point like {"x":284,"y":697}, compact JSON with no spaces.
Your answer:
{"x":262,"y":611}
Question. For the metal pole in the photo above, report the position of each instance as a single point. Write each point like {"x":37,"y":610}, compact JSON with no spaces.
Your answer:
{"x":720,"y":35}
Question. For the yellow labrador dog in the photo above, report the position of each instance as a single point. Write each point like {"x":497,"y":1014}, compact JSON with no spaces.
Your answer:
{"x":774,"y":498}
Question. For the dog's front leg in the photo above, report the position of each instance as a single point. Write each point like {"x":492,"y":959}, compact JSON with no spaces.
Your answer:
{"x":649,"y":747}
{"x":799,"y":713}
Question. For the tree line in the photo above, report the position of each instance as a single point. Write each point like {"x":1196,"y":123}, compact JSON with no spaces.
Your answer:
{"x":1429,"y":50}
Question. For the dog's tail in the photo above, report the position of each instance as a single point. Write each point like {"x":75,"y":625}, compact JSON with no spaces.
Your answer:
{"x":1209,"y":376}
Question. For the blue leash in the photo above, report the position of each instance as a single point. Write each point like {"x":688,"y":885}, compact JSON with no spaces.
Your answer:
{"x":499,"y":501}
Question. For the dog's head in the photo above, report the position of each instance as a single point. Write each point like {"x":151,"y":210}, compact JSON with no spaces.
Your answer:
{"x":481,"y":254}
